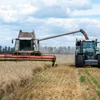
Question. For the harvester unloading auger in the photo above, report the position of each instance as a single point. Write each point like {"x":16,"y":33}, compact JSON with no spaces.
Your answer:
{"x":27,"y":47}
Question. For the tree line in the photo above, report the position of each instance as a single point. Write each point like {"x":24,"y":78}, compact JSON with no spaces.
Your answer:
{"x":58,"y":50}
{"x":6,"y":49}
{"x":45,"y":49}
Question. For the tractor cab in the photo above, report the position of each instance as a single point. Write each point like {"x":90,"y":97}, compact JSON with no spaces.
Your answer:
{"x":88,"y":44}
{"x":86,"y":53}
{"x":89,"y":49}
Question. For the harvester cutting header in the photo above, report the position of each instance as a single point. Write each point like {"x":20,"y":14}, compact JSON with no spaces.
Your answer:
{"x":27,"y":48}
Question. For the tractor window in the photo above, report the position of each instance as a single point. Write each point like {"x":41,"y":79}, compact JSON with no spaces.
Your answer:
{"x":25,"y":45}
{"x":88,"y":44}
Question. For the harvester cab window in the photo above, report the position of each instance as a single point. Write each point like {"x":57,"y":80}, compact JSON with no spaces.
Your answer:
{"x":25,"y":45}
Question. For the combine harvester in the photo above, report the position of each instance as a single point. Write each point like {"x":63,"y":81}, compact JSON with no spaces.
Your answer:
{"x":27,"y":47}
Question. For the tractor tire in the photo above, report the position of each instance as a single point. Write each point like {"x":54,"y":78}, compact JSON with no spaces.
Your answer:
{"x":79,"y":61}
{"x":98,"y":61}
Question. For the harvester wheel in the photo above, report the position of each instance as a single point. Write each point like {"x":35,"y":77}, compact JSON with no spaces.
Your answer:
{"x":98,"y":61}
{"x":79,"y":61}
{"x":37,"y":53}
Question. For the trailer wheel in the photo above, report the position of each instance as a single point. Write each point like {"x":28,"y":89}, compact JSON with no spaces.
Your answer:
{"x":79,"y":61}
{"x":98,"y":61}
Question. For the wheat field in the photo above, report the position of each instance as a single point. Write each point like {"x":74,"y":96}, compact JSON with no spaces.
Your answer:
{"x":40,"y":81}
{"x":14,"y":74}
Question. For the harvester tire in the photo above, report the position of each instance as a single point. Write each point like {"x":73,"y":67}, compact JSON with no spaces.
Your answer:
{"x":36,"y":53}
{"x":79,"y":61}
{"x":98,"y":61}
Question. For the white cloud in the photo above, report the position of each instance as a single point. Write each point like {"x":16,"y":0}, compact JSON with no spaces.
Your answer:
{"x":74,"y":23}
{"x":14,"y":14}
{"x":93,"y":11}
{"x":48,"y":17}
{"x":7,"y":13}
{"x":13,"y":2}
{"x":59,"y":9}
{"x":64,"y":3}
{"x":26,"y":9}
{"x":53,"y":26}
{"x":91,"y":26}
{"x":40,"y":9}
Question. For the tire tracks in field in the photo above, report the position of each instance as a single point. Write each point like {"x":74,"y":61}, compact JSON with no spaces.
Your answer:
{"x":79,"y":89}
{"x":57,"y":83}
{"x":88,"y":87}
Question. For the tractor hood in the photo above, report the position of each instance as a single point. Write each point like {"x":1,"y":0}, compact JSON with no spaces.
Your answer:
{"x":89,"y":53}
{"x":88,"y":50}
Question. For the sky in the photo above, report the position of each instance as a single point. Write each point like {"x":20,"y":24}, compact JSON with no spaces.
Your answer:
{"x":49,"y":17}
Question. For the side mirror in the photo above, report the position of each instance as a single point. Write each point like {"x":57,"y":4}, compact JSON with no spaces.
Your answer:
{"x":78,"y":43}
{"x":12,"y":41}
{"x":33,"y":43}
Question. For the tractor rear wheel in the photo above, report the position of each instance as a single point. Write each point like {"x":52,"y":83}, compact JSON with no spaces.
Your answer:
{"x":79,"y":61}
{"x":98,"y":61}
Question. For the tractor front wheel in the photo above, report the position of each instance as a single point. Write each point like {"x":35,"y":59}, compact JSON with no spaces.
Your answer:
{"x":79,"y":61}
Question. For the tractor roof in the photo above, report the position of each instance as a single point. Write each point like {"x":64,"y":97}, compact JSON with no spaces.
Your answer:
{"x":25,"y":35}
{"x":86,"y":40}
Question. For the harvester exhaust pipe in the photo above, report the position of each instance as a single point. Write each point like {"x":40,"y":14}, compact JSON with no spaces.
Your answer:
{"x":84,"y":33}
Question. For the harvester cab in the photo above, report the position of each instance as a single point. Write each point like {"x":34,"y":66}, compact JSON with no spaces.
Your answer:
{"x":26,"y":43}
{"x":87,"y":53}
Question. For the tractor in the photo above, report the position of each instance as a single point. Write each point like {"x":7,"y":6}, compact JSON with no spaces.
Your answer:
{"x":87,"y":53}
